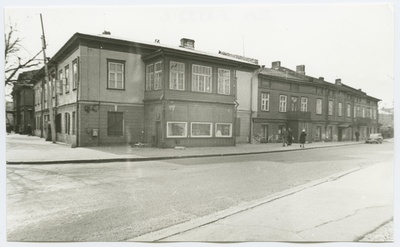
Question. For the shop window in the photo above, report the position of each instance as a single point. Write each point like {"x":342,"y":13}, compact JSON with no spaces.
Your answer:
{"x":223,"y":130}
{"x":201,"y":129}
{"x":176,"y":129}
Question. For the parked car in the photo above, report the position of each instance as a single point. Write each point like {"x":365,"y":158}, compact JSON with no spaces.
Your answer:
{"x":375,"y":138}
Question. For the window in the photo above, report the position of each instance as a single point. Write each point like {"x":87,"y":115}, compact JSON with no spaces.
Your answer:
{"x":304,"y":101}
{"x":358,"y":111}
{"x":264,"y":101}
{"x":154,"y":76}
{"x":201,"y":78}
{"x":177,"y":76}
{"x":224,"y":81}
{"x":363,"y":112}
{"x":282,"y":103}
{"x":355,"y":112}
{"x":176,"y":129}
{"x":223,"y":130}
{"x":330,"y":109}
{"x":150,"y":77}
{"x":115,"y":125}
{"x":73,"y":123}
{"x":201,"y":129}
{"x":158,"y":75}
{"x":75,"y":76}
{"x":60,"y":82}
{"x":67,"y":123}
{"x":374,"y":113}
{"x":319,"y":106}
{"x":340,"y":109}
{"x":66,"y":79}
{"x":370,"y":112}
{"x":116,"y":75}
{"x":348,"y":110}
{"x":293,"y":104}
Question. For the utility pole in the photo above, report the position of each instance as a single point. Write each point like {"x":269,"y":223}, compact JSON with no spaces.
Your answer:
{"x":50,"y":87}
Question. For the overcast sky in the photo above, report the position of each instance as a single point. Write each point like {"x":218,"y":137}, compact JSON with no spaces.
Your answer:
{"x":354,"y":42}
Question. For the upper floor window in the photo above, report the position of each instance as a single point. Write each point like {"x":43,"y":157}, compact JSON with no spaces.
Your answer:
{"x":67,"y":79}
{"x":374,"y":113}
{"x":60,"y":82}
{"x":116,"y":75}
{"x":201,"y":78}
{"x":330,"y":108}
{"x":340,"y":109}
{"x":370,"y":112}
{"x":348,"y":110}
{"x":264,"y":101}
{"x":319,"y":106}
{"x":177,"y":76}
{"x":75,"y":76}
{"x":282,"y":103}
{"x":154,"y":76}
{"x":224,"y":81}
{"x":293,"y":103}
{"x":363,"y":111}
{"x":358,"y":111}
{"x":304,"y":101}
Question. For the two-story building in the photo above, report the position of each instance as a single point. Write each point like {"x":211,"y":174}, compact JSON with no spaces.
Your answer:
{"x":326,"y":111}
{"x":106,"y":90}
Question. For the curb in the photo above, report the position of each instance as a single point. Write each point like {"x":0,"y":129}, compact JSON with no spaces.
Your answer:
{"x":160,"y":235}
{"x":138,"y":159}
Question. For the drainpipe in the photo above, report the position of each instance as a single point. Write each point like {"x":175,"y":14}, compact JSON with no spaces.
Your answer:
{"x":253,"y":78}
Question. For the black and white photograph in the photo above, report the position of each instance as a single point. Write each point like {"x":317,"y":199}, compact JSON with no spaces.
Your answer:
{"x":242,"y":123}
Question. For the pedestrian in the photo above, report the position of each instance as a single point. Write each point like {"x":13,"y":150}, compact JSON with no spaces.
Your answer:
{"x":284,"y":137}
{"x":289,"y":137}
{"x":357,"y":135}
{"x":21,"y":129}
{"x":302,"y":138}
{"x":29,"y":130}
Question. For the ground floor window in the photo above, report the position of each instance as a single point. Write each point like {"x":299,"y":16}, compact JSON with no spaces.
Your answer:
{"x":223,"y":130}
{"x":176,"y":129}
{"x":67,"y":123}
{"x":73,"y":123}
{"x":115,"y":125}
{"x":201,"y":129}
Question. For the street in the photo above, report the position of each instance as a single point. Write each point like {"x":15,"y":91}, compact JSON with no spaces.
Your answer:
{"x":121,"y":201}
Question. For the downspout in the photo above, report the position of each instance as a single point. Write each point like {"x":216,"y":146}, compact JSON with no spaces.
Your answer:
{"x":254,"y":76}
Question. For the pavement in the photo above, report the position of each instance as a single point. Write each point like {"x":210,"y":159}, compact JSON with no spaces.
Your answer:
{"x":22,"y":149}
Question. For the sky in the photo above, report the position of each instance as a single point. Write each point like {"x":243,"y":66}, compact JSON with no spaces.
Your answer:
{"x":353,"y":42}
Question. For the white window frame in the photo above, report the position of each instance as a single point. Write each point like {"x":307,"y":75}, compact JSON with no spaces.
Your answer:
{"x":158,"y":75}
{"x":340,"y":109}
{"x":370,"y":113}
{"x":149,"y":77}
{"x":75,"y":74}
{"x":282,"y":103}
{"x":355,"y":111}
{"x":330,"y":108}
{"x":113,"y":75}
{"x":176,"y":74}
{"x":173,"y":136}
{"x":223,"y":136}
{"x":363,"y":111}
{"x":201,"y":79}
{"x":318,"y":109}
{"x":224,"y":81}
{"x":304,"y":103}
{"x":348,"y":110}
{"x":201,"y":123}
{"x":264,"y":102}
{"x":66,"y":77}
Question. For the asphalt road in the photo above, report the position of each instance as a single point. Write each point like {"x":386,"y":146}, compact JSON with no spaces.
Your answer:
{"x":119,"y":201}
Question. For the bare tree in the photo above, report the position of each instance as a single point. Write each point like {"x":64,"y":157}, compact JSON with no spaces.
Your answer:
{"x":14,"y":56}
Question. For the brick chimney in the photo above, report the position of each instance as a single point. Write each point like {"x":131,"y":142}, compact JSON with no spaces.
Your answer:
{"x":338,"y":82}
{"x":187,"y":43}
{"x":321,"y":78}
{"x":301,"y":69}
{"x":276,"y":65}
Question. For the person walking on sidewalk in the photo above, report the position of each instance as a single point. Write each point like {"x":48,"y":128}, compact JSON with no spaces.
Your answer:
{"x":302,"y":138}
{"x":284,"y":137}
{"x":289,"y":137}
{"x":357,"y":135}
{"x":29,"y":130}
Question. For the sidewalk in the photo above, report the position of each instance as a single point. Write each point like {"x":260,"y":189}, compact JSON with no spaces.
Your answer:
{"x":342,"y":207}
{"x":22,"y":149}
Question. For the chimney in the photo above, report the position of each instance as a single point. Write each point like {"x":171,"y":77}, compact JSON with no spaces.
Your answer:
{"x":276,"y":65}
{"x":338,"y":82}
{"x":187,"y":43}
{"x":106,"y":32}
{"x":321,"y":78}
{"x":301,"y":69}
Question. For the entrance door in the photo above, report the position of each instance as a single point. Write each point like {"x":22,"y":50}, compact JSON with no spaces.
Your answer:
{"x":340,"y":134}
{"x":265,"y":133}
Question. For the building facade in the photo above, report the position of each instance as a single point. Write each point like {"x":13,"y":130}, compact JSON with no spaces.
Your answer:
{"x":110,"y":91}
{"x":326,"y":111}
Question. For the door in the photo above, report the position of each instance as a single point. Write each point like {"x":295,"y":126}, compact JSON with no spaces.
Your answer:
{"x":340,"y":134}
{"x":264,"y":133}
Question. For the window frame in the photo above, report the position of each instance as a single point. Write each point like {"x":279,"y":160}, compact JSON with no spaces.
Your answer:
{"x":223,"y":136}
{"x":176,"y":122}
{"x":116,"y":62}
{"x":303,"y":104}
{"x":225,"y":81}
{"x":348,"y":110}
{"x":114,"y":132}
{"x":60,"y":80}
{"x":330,"y":108}
{"x":201,"y":78}
{"x":294,"y":103}
{"x":340,"y":109}
{"x":282,"y":103}
{"x":318,"y":106}
{"x":66,"y":77}
{"x":177,"y":73}
{"x":201,"y":136}
{"x":264,"y":101}
{"x":75,"y":73}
